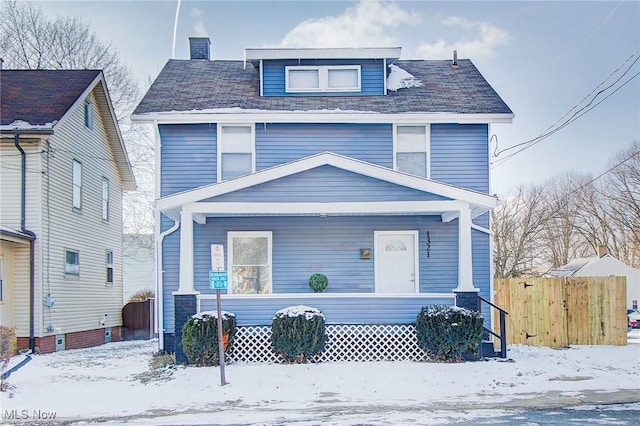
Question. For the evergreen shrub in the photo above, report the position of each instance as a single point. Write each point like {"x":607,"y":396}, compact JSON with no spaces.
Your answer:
{"x":318,"y":282}
{"x":298,"y":333}
{"x":446,"y":333}
{"x":200,"y":336}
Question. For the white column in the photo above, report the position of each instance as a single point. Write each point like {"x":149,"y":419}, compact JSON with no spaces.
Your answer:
{"x":465,"y":258}
{"x":186,"y":255}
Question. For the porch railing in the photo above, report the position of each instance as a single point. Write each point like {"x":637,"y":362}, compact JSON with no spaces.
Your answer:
{"x":502,"y":337}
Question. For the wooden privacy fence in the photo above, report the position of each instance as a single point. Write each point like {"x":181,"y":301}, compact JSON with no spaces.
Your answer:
{"x":138,"y":320}
{"x":558,"y":312}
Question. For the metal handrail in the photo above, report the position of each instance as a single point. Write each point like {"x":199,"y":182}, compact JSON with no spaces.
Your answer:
{"x":503,"y":325}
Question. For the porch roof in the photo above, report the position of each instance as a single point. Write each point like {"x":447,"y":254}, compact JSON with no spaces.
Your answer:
{"x":201,"y":201}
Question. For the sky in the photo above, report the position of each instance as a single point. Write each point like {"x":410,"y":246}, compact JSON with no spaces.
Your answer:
{"x":544,"y":58}
{"x":114,"y":384}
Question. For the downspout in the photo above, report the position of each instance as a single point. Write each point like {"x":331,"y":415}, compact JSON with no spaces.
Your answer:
{"x":23,"y":228}
{"x":160,"y":283}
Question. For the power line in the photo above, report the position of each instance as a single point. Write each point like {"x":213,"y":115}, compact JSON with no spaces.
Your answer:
{"x":577,"y":114}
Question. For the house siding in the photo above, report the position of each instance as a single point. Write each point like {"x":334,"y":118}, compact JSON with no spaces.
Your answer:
{"x":372,"y":77}
{"x":285,"y":142}
{"x":80,"y":302}
{"x":187,"y":150}
{"x":460,"y":155}
{"x":306,"y":245}
{"x":326,"y":184}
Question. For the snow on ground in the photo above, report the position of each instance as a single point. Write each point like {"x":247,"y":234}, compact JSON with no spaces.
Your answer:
{"x":113,"y":382}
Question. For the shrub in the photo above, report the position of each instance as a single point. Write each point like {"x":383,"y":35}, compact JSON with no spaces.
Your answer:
{"x":200,"y":336}
{"x":141,"y":295}
{"x":298,"y":333}
{"x":445,"y":333}
{"x":318,"y":282}
{"x":7,"y":350}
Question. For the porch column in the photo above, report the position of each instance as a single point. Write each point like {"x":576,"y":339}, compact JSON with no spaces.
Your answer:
{"x":185,"y":285}
{"x":465,"y":257}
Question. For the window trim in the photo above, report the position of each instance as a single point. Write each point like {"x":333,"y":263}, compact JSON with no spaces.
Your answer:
{"x":219,"y":146}
{"x":105,"y":200}
{"x":427,"y":129}
{"x":323,"y":78}
{"x":109,"y":265}
{"x":254,"y":234}
{"x":88,"y":113}
{"x":77,"y":208}
{"x":67,"y":273}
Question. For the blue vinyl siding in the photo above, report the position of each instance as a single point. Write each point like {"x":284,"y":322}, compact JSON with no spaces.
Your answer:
{"x":372,"y":77}
{"x":187,"y":150}
{"x":360,"y":310}
{"x":170,"y":271}
{"x":326,"y":184}
{"x":286,"y":142}
{"x":306,"y":245}
{"x":460,"y":155}
{"x":480,"y":242}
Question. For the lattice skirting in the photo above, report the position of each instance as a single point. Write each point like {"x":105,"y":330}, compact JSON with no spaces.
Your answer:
{"x":346,"y":343}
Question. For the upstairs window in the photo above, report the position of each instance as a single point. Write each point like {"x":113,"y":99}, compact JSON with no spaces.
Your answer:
{"x":76,"y":180}
{"x":88,"y":114}
{"x":343,"y":78}
{"x":105,"y":198}
{"x":109,"y":265}
{"x":235,"y":151}
{"x":411,"y":150}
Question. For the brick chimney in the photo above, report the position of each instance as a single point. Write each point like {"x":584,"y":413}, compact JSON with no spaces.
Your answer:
{"x":602,"y":250}
{"x":200,"y":47}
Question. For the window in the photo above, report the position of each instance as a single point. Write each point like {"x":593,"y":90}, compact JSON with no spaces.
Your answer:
{"x":109,"y":264}
{"x":250,"y":262}
{"x":71,"y":262}
{"x":76,"y":177}
{"x":105,"y":198}
{"x":345,"y":78}
{"x":235,"y":151}
{"x":412,"y":150}
{"x":88,"y":114}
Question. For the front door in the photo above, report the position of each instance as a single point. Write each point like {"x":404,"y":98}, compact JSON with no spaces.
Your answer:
{"x":395,"y":261}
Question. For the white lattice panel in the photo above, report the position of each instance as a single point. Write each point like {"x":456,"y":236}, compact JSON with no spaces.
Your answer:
{"x":345,"y":343}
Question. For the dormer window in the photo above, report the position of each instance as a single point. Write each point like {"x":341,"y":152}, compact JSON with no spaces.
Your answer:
{"x":338,"y":78}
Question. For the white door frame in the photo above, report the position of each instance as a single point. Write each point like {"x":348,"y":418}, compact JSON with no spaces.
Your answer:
{"x":416,"y":253}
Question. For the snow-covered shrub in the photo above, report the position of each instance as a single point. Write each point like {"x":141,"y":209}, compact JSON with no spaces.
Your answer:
{"x":298,"y":333}
{"x":200,"y":336}
{"x":446,"y":333}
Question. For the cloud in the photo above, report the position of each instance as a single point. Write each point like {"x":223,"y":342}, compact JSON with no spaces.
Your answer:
{"x":362,"y":25}
{"x":488,"y":39}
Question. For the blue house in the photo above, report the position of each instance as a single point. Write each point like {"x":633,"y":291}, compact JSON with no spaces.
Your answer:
{"x":371,"y":170}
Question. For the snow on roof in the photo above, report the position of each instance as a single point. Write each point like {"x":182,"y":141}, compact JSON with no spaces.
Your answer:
{"x":572,"y":267}
{"x":401,"y":79}
{"x":25,"y":125}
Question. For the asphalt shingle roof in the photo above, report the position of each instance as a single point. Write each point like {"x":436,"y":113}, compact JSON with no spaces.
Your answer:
{"x":185,"y":85}
{"x":40,"y":97}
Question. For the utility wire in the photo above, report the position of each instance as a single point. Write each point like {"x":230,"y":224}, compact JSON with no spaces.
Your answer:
{"x":552,"y":128}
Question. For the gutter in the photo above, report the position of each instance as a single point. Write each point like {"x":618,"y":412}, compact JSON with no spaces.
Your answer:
{"x":160,"y":282}
{"x":24,"y":230}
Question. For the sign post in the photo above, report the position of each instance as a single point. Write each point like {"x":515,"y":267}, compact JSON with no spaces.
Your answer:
{"x":218,"y":280}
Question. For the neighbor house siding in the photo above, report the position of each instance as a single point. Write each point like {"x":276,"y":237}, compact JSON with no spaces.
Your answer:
{"x":81,"y":302}
{"x":285,"y":142}
{"x":326,"y":184}
{"x":372,"y":77}
{"x":187,"y":150}
{"x":460,"y":155}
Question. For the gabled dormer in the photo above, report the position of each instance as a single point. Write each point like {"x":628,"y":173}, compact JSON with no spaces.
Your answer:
{"x":322,"y":72}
